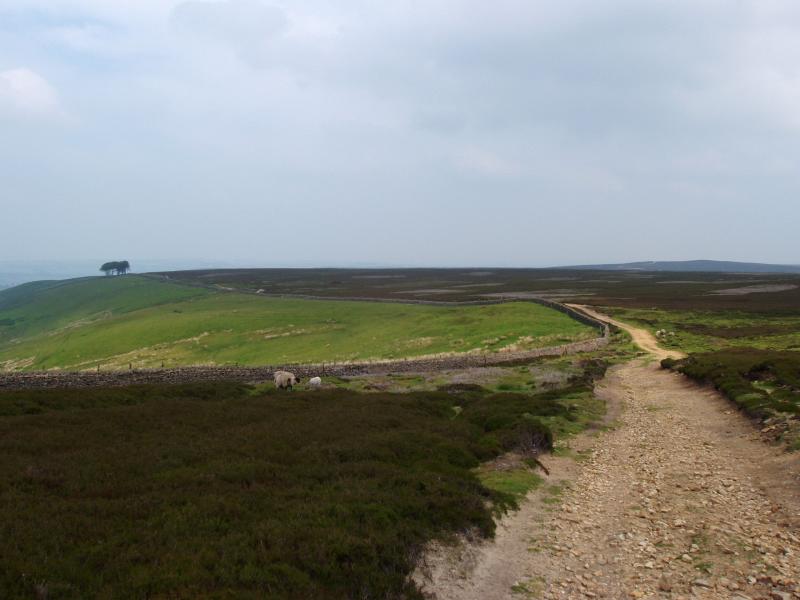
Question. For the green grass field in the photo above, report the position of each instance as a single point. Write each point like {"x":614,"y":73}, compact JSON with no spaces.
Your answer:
{"x":114,"y":322}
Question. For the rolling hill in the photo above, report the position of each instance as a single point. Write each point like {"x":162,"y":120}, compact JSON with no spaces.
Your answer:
{"x":143,"y":321}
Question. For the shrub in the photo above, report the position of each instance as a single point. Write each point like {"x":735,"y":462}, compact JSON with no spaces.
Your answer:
{"x":213,"y":490}
{"x":735,"y":372}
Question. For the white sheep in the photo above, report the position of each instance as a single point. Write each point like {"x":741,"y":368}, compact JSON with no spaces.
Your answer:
{"x":285,"y":380}
{"x":315,"y":382}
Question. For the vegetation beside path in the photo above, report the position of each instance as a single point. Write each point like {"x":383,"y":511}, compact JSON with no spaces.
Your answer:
{"x":752,"y":358}
{"x":765,"y":384}
{"x":706,"y":331}
{"x":212,"y":490}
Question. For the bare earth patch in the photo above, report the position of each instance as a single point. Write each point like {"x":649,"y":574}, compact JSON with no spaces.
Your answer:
{"x":754,"y":289}
{"x":428,"y":291}
{"x":547,"y":294}
{"x":17,"y":364}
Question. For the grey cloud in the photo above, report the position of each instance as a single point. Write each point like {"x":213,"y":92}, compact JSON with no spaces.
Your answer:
{"x":448,"y":131}
{"x":246,"y":25}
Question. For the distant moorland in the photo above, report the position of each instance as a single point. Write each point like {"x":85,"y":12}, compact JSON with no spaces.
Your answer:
{"x":754,"y":292}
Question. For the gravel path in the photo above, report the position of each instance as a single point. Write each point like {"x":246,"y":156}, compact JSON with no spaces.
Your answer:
{"x":680,"y":498}
{"x":641,"y":337}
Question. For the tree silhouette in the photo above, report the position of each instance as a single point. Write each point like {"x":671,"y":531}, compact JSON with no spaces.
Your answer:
{"x":116,"y":267}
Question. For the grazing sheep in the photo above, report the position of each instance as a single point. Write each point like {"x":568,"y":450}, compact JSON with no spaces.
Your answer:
{"x":285,"y":380}
{"x":315,"y":382}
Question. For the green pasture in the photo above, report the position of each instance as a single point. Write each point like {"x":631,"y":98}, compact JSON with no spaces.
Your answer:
{"x":114,"y":322}
{"x":705,"y":331}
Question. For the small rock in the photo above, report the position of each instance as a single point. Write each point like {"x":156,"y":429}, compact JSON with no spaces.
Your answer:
{"x":705,"y":583}
{"x":665,"y":583}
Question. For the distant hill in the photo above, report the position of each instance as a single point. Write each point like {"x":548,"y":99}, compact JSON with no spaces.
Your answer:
{"x":695,"y":266}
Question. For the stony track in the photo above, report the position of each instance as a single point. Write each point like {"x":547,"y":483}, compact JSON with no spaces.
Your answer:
{"x":679,"y":498}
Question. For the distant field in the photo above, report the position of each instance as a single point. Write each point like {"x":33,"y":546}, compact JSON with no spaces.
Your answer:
{"x":745,"y":292}
{"x":135,"y":320}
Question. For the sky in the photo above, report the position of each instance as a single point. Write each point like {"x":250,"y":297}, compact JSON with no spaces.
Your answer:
{"x":405,"y":133}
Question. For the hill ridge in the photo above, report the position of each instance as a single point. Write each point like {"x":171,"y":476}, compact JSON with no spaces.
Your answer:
{"x":697,"y":265}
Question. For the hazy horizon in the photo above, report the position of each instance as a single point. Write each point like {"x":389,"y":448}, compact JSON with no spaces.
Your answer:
{"x":16,"y":272}
{"x":405,"y":134}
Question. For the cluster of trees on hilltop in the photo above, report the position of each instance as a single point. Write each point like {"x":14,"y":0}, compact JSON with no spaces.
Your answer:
{"x":117,"y":267}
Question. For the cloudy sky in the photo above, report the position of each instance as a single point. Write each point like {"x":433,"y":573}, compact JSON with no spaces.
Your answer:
{"x":407,"y":132}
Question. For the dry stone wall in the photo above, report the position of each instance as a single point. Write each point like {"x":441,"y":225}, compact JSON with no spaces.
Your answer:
{"x":61,"y":379}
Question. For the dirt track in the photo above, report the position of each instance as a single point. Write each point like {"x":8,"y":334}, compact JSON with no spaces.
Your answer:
{"x":641,"y":337}
{"x":679,"y":499}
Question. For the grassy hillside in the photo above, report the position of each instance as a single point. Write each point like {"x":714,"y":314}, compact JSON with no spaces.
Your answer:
{"x":45,"y":306}
{"x":116,"y":321}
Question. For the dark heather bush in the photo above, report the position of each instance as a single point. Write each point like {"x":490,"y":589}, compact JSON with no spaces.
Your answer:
{"x":737,"y":372}
{"x":211,"y":491}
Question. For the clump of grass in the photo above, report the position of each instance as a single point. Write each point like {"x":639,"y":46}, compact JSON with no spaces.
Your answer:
{"x":514,"y":482}
{"x":554,"y":493}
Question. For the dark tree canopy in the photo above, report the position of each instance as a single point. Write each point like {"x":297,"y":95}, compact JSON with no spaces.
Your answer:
{"x":117,"y":267}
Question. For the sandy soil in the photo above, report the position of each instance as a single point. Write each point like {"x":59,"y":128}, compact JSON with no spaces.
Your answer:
{"x":679,"y":499}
